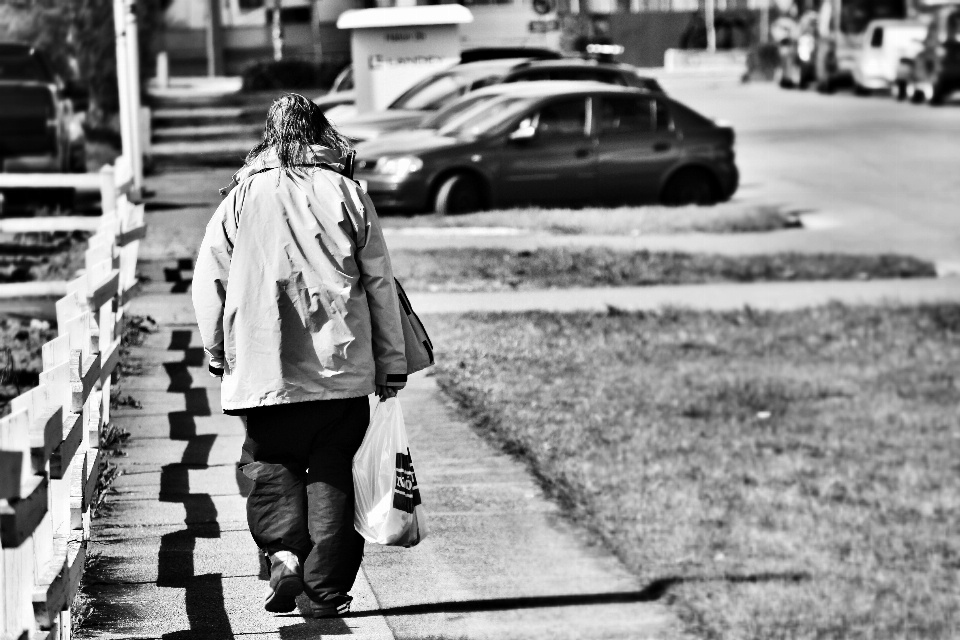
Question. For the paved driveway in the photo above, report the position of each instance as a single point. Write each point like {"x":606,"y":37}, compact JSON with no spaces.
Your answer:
{"x":886,"y":171}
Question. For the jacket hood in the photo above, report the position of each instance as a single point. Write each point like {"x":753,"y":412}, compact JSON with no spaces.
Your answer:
{"x":315,"y":154}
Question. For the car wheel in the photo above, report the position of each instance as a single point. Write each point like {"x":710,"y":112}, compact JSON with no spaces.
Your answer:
{"x":860,"y":90}
{"x":690,"y":186}
{"x":916,"y":94}
{"x":460,"y":193}
{"x":825,"y":86}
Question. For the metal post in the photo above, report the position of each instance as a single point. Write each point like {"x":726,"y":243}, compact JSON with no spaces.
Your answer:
{"x":133,"y":69}
{"x":277,"y":31}
{"x":214,"y":40}
{"x":708,"y":10}
{"x":163,"y":70}
{"x":764,"y":21}
{"x":123,"y":75}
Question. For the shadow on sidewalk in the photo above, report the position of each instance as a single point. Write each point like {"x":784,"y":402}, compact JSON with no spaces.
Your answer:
{"x":651,"y":593}
{"x":204,"y":600}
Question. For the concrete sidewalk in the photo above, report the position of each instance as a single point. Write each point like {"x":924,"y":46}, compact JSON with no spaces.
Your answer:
{"x":176,"y":560}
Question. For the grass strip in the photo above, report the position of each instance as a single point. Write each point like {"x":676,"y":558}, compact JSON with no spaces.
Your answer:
{"x":728,"y":217}
{"x":490,"y":269}
{"x":785,"y":475}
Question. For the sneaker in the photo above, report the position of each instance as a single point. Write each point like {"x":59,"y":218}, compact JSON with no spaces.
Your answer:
{"x":286,"y":582}
{"x":333,"y":608}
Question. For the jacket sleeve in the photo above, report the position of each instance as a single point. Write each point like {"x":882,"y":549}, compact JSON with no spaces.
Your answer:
{"x":376,"y":275}
{"x":210,"y":275}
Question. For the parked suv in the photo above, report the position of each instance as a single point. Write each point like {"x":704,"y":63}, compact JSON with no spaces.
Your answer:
{"x":38,"y":131}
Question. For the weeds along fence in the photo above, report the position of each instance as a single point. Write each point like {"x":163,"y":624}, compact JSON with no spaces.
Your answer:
{"x":50,"y":443}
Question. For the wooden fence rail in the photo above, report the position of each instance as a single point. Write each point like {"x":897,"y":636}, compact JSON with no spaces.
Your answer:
{"x":50,"y":443}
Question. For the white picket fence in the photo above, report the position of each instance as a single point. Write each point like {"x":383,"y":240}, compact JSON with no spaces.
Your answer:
{"x":50,"y":443}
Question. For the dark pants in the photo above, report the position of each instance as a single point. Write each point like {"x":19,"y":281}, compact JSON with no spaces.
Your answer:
{"x":299,"y":458}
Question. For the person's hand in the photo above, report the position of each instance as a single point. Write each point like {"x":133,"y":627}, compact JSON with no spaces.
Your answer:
{"x":385,"y":393}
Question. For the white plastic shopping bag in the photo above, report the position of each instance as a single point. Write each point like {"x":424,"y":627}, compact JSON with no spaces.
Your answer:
{"x":388,"y":509}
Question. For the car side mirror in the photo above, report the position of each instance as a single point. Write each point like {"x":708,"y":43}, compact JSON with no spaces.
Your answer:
{"x":523,"y":132}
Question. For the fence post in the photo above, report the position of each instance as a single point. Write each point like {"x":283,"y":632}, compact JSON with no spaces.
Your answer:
{"x":133,"y":86}
{"x":108,"y":190}
{"x":123,"y":75}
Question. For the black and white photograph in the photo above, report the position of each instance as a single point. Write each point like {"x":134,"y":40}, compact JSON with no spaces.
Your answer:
{"x":480,"y":319}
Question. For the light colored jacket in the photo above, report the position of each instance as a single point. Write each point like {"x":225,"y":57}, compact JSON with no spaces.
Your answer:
{"x":293,"y":289}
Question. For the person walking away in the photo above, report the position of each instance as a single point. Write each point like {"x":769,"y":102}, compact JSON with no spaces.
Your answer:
{"x":297,"y":308}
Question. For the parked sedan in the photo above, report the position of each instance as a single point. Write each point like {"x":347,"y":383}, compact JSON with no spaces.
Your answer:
{"x":422,"y":99}
{"x":552,"y":144}
{"x":582,"y":69}
{"x":434,"y":92}
{"x":342,"y":91}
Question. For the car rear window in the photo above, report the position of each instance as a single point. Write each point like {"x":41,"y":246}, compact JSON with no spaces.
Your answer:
{"x":626,"y":115}
{"x":26,"y":101}
{"x":685,"y":118}
{"x":23,"y":68}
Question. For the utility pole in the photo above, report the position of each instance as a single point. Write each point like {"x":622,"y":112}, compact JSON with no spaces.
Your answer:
{"x":708,"y":10}
{"x":764,"y":21}
{"x":277,"y":31}
{"x":215,"y":40}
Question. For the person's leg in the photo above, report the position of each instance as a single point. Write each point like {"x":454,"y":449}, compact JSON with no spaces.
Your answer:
{"x":274,"y":458}
{"x":332,"y":565}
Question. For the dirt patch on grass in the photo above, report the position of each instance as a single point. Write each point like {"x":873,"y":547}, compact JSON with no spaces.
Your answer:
{"x":497,"y":269}
{"x":728,"y":217}
{"x":786,"y":475}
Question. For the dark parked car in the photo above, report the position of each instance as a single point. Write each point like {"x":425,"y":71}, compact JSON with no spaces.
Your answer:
{"x":582,"y":69}
{"x":37,"y":128}
{"x":935,"y":72}
{"x":552,"y":144}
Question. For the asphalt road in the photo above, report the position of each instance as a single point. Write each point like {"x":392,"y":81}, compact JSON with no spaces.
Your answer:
{"x":882,"y":171}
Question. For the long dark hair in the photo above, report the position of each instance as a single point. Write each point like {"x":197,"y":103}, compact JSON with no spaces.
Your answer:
{"x":294,"y":123}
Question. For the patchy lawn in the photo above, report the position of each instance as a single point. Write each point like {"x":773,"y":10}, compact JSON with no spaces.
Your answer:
{"x":728,"y":217}
{"x":498,"y":269}
{"x":26,"y":257}
{"x":20,"y":361}
{"x":788,"y":475}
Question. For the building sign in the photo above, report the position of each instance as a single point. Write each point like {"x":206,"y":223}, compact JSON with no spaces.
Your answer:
{"x":395,"y":47}
{"x":543,"y":26}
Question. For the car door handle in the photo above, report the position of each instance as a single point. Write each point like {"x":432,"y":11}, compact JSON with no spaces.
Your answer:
{"x":583,"y":153}
{"x":662,"y":146}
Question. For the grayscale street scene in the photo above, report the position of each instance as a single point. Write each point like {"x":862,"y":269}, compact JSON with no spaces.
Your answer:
{"x":513,"y":320}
